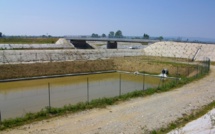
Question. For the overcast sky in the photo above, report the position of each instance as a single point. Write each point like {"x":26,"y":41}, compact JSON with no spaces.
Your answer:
{"x":180,"y":18}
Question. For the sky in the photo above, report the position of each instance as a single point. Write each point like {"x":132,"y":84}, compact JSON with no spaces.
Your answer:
{"x":178,"y":18}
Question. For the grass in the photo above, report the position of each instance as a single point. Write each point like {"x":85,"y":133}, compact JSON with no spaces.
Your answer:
{"x":160,"y":58}
{"x":99,"y":44}
{"x":182,"y":64}
{"x":180,"y":122}
{"x":144,"y":43}
{"x":16,"y":40}
{"x":97,"y":103}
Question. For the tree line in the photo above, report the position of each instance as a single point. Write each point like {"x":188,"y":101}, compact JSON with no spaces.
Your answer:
{"x":118,"y":34}
{"x":112,"y":34}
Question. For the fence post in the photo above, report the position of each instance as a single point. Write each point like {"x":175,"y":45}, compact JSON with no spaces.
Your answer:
{"x":120,"y":85}
{"x":177,"y":70}
{"x":188,"y":71}
{"x":36,"y":57}
{"x":4,"y":57}
{"x":88,"y":93}
{"x":143,"y":81}
{"x":197,"y":69}
{"x":3,"y":60}
{"x":20,"y":57}
{"x":209,"y":63}
{"x":49,"y":96}
{"x":176,"y":73}
{"x":0,"y":117}
{"x":162,"y":81}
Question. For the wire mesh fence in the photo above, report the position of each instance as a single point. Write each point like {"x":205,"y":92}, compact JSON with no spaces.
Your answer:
{"x":21,"y":97}
{"x":17,"y":99}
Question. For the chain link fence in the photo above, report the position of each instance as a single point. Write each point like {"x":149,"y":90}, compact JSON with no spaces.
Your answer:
{"x":21,"y":97}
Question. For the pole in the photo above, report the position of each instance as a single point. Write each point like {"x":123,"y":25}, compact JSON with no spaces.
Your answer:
{"x":162,"y":81}
{"x":120,"y":81}
{"x":177,"y":70}
{"x":197,"y":70}
{"x":36,"y":57}
{"x":3,"y":57}
{"x":0,"y":117}
{"x":188,"y":71}
{"x":88,"y":94}
{"x":209,"y":62}
{"x":49,"y":96}
{"x":143,"y":81}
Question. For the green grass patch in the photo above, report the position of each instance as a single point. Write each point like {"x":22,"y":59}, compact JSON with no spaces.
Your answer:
{"x":99,"y":45}
{"x":181,"y":64}
{"x":180,"y":122}
{"x":144,"y":43}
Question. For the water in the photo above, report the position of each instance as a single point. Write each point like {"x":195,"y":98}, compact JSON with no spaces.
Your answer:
{"x":20,"y":97}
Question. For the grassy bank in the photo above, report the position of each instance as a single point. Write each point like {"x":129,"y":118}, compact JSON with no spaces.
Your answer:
{"x":154,"y":66}
{"x":97,"y":103}
{"x":16,"y":40}
{"x":10,"y":71}
{"x":132,"y":64}
{"x":180,"y":122}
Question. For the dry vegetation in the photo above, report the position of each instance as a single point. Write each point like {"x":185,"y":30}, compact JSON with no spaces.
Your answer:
{"x":16,"y":40}
{"x":124,"y":63}
{"x":53,"y":68}
{"x":153,"y":65}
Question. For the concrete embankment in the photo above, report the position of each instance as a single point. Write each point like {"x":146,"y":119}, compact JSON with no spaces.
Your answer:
{"x":33,"y":56}
{"x":181,"y":50}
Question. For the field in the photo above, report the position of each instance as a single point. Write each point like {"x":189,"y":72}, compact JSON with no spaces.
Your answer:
{"x":16,"y":40}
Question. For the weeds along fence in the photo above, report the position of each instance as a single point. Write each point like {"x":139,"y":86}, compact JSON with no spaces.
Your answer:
{"x":204,"y":66}
{"x":21,"y":97}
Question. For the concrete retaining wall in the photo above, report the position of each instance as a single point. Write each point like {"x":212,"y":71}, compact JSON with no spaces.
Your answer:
{"x":29,"y":56}
{"x":181,"y":50}
{"x":34,"y":46}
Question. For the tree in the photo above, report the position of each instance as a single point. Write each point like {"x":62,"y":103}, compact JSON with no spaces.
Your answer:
{"x":103,"y":35}
{"x":0,"y":34}
{"x":95,"y":35}
{"x":111,"y":34}
{"x":118,"y":34}
{"x":160,"y":38}
{"x":179,"y":39}
{"x":145,"y":36}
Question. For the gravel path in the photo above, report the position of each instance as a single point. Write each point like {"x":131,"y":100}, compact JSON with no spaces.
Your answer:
{"x":202,"y":125}
{"x":134,"y":116}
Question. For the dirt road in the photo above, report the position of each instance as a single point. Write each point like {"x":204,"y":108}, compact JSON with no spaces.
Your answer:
{"x":134,"y":116}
